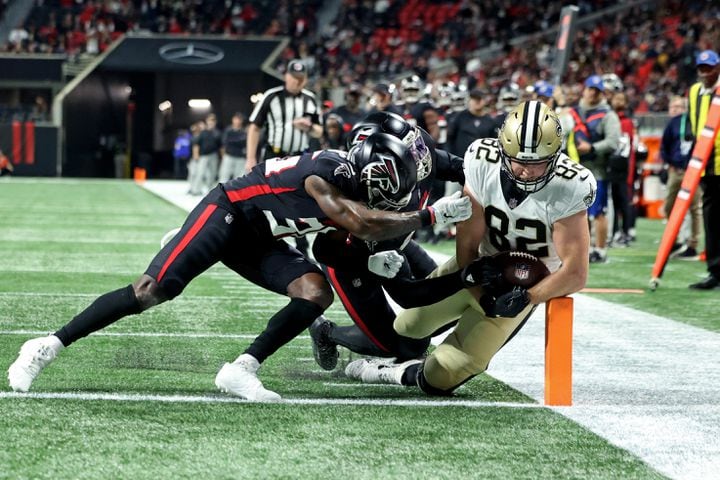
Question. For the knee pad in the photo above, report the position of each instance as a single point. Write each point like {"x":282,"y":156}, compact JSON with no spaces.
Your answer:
{"x":448,"y":367}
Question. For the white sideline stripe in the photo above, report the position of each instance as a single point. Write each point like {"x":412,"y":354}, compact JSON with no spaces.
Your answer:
{"x":249,"y":336}
{"x":132,"y":397}
{"x":361,"y":385}
{"x":186,"y":298}
{"x":627,"y":361}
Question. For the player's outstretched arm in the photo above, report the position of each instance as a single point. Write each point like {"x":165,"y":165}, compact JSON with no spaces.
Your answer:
{"x":571,"y":237}
{"x":376,"y":225}
{"x":469,"y":235}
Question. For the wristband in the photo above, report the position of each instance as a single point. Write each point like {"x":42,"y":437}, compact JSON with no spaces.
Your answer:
{"x":427,"y":217}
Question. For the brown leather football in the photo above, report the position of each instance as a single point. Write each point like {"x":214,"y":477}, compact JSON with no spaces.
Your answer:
{"x":520,"y":269}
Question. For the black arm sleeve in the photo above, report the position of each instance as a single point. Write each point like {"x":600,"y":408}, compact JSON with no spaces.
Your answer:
{"x":418,"y":293}
{"x":449,"y":167}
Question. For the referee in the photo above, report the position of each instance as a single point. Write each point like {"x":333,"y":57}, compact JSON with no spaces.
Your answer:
{"x":291,"y":115}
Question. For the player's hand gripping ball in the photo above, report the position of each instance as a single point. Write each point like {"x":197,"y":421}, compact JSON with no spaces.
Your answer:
{"x":515,"y":272}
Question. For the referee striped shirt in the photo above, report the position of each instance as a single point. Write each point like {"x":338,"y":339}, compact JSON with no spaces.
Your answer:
{"x":278,"y":109}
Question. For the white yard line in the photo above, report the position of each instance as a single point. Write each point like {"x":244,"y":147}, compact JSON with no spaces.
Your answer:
{"x":133,"y":397}
{"x":647,"y":384}
{"x":103,"y":333}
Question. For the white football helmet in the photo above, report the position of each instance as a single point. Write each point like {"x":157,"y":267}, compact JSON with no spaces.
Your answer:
{"x":612,"y":83}
{"x":410,"y":89}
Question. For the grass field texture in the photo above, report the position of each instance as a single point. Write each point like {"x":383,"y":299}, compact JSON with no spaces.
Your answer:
{"x":138,"y":400}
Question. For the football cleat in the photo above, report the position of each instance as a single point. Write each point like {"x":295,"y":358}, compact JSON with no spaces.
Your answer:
{"x":35,"y":355}
{"x":240,"y":379}
{"x":354,"y":369}
{"x":382,"y":371}
{"x":324,"y":350}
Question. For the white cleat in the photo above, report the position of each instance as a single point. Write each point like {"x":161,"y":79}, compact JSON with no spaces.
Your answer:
{"x":35,"y":355}
{"x":240,"y":379}
{"x":378,"y":371}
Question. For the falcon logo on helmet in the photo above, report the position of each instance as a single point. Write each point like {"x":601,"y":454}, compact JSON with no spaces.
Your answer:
{"x":531,"y":135}
{"x":395,"y":125}
{"x":387,"y":171}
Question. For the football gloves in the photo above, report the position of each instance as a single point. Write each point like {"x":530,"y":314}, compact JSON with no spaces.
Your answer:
{"x":507,"y":305}
{"x":484,"y":273}
{"x":385,"y":264}
{"x":452,"y":209}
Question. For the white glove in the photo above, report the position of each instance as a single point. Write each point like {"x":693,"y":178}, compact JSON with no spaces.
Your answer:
{"x":386,"y":264}
{"x":452,"y":209}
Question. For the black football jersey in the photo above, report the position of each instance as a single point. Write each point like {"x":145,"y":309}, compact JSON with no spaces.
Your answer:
{"x":275,"y":190}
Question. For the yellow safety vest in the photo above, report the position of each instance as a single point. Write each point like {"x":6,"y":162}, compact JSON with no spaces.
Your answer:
{"x":699,"y":106}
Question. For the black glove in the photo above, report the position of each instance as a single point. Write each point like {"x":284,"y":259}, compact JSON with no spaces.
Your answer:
{"x":664,"y":175}
{"x":483,"y":272}
{"x":507,"y":305}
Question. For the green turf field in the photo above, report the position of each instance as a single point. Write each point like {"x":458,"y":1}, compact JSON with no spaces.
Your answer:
{"x":135,"y":405}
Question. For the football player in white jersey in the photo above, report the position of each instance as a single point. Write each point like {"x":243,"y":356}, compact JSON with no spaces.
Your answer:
{"x":526,"y":196}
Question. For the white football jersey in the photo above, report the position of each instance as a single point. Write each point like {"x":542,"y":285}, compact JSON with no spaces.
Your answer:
{"x":526,"y":225}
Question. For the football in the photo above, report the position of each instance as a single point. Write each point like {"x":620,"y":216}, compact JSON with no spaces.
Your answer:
{"x":520,"y":269}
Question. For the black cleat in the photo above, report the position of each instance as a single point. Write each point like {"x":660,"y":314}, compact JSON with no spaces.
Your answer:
{"x":709,"y":283}
{"x":324,"y":350}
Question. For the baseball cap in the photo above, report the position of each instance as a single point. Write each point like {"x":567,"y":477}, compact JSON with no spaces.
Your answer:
{"x":382,"y":88}
{"x":477,"y":93}
{"x":595,"y":81}
{"x":543,"y":89}
{"x":296,"y":68}
{"x":353,"y":89}
{"x":707,"y":57}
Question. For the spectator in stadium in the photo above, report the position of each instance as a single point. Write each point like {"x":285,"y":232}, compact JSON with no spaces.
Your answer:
{"x":595,"y":135}
{"x":40,"y":110}
{"x":544,"y":92}
{"x":351,"y":112}
{"x":285,"y":136}
{"x":182,"y":151}
{"x":333,"y":134}
{"x":382,"y":98}
{"x":619,"y":173}
{"x":242,"y":225}
{"x":675,"y":151}
{"x":546,"y":188}
{"x":206,"y":153}
{"x":472,"y":123}
{"x":234,"y":142}
{"x":699,"y":98}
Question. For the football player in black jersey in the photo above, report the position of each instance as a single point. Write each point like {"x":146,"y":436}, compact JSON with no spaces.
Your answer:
{"x":241,"y":223}
{"x":358,"y":270}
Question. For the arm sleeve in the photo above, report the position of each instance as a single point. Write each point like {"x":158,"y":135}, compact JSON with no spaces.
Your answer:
{"x":313,"y":111}
{"x":449,"y":167}
{"x":417,"y":293}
